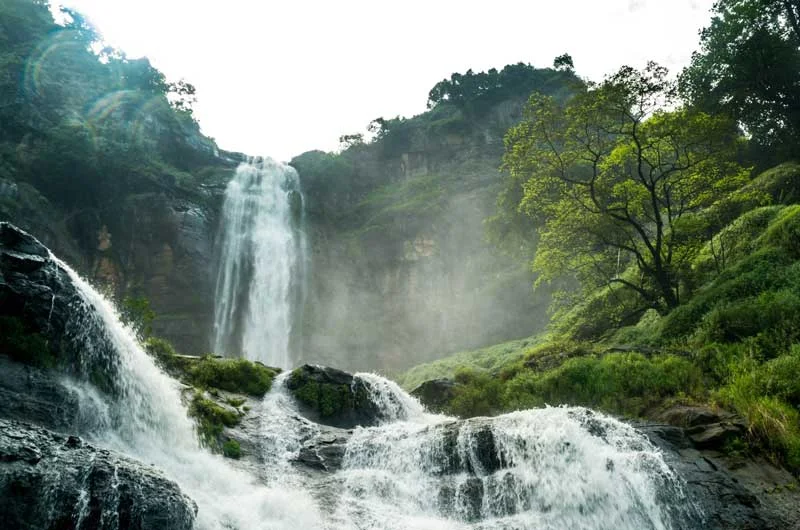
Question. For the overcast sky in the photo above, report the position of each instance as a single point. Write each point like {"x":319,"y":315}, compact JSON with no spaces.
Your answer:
{"x":280,"y":78}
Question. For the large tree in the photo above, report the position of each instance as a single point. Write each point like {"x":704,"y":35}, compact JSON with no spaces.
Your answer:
{"x":748,"y":66}
{"x":613,"y":174}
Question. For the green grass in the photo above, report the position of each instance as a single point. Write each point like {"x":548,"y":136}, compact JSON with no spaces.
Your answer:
{"x":232,"y":449}
{"x":490,"y":360}
{"x":232,"y":375}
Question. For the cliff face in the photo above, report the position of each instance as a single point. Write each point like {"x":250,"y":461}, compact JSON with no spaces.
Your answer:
{"x":401,"y":267}
{"x":153,"y":239}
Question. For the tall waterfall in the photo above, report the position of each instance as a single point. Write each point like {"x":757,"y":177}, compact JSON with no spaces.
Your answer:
{"x":260,"y":264}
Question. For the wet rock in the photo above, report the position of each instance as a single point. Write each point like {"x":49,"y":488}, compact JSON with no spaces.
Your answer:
{"x":435,"y":394}
{"x":693,"y":416}
{"x":35,"y":395}
{"x":719,"y":489}
{"x":716,"y":435}
{"x":324,"y":452}
{"x":469,"y":499}
{"x":48,"y":480}
{"x":59,"y":327}
{"x":332,"y":397}
{"x":485,"y":458}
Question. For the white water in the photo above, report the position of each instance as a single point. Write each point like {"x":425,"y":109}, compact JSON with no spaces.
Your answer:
{"x":261,"y":263}
{"x":554,"y":468}
{"x":149,"y":423}
{"x":555,"y":474}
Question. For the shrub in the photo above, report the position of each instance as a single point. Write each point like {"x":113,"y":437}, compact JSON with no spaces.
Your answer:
{"x":478,"y":394}
{"x":784,"y":232}
{"x":766,"y":395}
{"x":232,"y":375}
{"x":773,"y":318}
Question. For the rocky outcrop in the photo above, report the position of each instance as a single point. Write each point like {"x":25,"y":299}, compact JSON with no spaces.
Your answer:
{"x":49,"y":480}
{"x":436,"y":394}
{"x":31,"y":394}
{"x":332,"y":397}
{"x":47,"y":320}
{"x":742,"y":494}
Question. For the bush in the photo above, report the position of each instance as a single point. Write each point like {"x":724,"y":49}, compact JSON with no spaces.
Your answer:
{"x":621,"y":383}
{"x":784,"y":232}
{"x":478,"y":394}
{"x":766,"y":270}
{"x":772,"y":318}
{"x":232,"y":375}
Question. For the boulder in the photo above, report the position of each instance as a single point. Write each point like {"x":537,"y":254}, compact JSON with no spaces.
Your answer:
{"x":49,"y":480}
{"x":435,"y":394}
{"x":728,"y":496}
{"x":706,"y":428}
{"x":332,"y":397}
{"x":31,"y":394}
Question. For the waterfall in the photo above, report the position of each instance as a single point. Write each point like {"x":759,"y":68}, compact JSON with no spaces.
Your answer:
{"x":261,"y":263}
{"x":543,"y":469}
{"x":147,"y":421}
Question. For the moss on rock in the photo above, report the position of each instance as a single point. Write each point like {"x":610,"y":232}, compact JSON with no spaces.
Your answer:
{"x":332,"y":397}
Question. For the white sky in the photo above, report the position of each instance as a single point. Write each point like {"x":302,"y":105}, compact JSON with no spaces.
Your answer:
{"x":282,"y":77}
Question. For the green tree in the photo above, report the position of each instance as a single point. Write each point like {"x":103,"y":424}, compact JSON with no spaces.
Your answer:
{"x":611,"y":177}
{"x":564,"y":63}
{"x":748,"y":66}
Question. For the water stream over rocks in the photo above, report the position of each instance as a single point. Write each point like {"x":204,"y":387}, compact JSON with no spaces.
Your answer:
{"x":400,"y":468}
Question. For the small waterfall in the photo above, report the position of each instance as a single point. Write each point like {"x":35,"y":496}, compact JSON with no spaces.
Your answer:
{"x":543,"y":469}
{"x":261,"y":263}
{"x":147,"y":421}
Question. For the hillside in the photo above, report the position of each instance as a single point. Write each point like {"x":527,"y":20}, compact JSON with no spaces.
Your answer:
{"x":731,"y":344}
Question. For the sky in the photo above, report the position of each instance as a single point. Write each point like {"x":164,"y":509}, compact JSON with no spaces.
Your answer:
{"x":279,"y":78}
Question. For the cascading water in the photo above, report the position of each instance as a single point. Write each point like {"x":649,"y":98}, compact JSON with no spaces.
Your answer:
{"x":147,"y":421}
{"x":261,"y":263}
{"x":542,"y":469}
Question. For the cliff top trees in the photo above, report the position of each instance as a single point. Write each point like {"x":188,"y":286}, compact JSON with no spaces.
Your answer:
{"x":748,"y":66}
{"x":611,"y":175}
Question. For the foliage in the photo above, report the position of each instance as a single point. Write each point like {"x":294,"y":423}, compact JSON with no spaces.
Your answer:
{"x":748,"y":67}
{"x":211,"y":418}
{"x":232,"y":449}
{"x":137,"y":313}
{"x":611,"y":175}
{"x":327,"y":399}
{"x":23,"y":345}
{"x":78,"y":118}
{"x":478,"y":394}
{"x":232,"y":375}
{"x":627,"y":383}
{"x":475,"y":93}
{"x":490,"y":360}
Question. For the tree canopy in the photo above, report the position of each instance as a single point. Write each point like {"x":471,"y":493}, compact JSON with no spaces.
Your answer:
{"x":611,"y":176}
{"x":748,"y":66}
